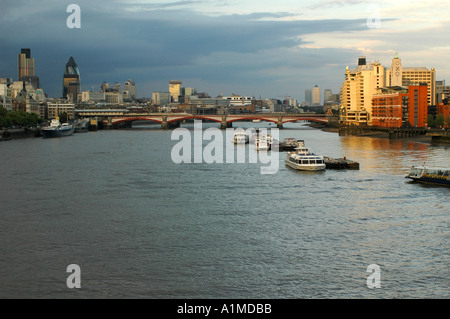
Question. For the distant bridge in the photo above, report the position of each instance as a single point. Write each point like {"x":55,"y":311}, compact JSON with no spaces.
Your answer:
{"x":170,"y":120}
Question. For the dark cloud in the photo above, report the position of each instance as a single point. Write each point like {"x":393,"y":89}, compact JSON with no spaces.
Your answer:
{"x":154,"y":46}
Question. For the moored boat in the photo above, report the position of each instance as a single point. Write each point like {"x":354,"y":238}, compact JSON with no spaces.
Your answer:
{"x":422,"y":174}
{"x":303,"y":159}
{"x":56,"y":129}
{"x":263,"y":142}
{"x":240,"y":137}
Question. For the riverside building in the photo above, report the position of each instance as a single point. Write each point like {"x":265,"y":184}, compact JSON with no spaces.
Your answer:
{"x":365,"y":81}
{"x":400,"y":106}
{"x":358,"y":88}
{"x":398,"y":75}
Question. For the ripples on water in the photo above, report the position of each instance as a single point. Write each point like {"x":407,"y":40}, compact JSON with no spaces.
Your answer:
{"x":139,"y":225}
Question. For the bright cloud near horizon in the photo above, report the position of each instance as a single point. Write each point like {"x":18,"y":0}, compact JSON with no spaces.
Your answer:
{"x":255,"y":48}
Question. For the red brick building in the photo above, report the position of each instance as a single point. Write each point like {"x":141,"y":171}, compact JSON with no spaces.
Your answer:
{"x":444,"y":110}
{"x":400,"y":106}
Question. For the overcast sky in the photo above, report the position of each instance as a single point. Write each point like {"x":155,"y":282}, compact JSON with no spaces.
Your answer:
{"x":254,"y":48}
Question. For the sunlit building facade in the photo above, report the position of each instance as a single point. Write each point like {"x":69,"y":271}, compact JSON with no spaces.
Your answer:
{"x":357,"y":90}
{"x":400,"y":106}
{"x":174,"y":90}
{"x":398,"y":75}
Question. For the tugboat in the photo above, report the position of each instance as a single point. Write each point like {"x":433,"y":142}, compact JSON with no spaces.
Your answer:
{"x":436,"y":176}
{"x":56,"y":129}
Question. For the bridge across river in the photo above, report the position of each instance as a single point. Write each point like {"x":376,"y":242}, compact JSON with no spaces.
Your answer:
{"x":171,"y":120}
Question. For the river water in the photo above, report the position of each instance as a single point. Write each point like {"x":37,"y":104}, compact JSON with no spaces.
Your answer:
{"x":139,"y":225}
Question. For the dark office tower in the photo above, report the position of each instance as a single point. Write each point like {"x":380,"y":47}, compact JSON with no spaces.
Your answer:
{"x":25,"y":66}
{"x":71,"y":81}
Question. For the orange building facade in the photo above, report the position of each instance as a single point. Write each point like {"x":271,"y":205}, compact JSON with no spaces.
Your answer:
{"x":400,"y":107}
{"x":444,"y":109}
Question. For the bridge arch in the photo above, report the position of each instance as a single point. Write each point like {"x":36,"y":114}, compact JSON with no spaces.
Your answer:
{"x":309,"y":119}
{"x":244,"y":118}
{"x":136,"y":118}
{"x":195,"y":117}
{"x":210,"y":118}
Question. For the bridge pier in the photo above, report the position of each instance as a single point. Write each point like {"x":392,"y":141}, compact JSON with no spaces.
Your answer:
{"x":109,"y":125}
{"x":280,"y":122}
{"x":224,"y":124}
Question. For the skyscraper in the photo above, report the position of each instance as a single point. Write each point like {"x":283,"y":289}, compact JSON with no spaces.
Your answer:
{"x":308,"y":97}
{"x":175,"y":90}
{"x":130,"y":88}
{"x":25,"y":68}
{"x":71,"y":81}
{"x":25,"y":63}
{"x":316,"y":95}
{"x":327,"y":93}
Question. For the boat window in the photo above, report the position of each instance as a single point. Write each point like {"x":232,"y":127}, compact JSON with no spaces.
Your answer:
{"x":305,"y":162}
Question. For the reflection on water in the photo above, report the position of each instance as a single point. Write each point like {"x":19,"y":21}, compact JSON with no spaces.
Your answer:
{"x":396,"y":156}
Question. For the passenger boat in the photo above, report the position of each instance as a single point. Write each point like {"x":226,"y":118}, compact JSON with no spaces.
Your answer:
{"x":240,"y":137}
{"x":303,"y":159}
{"x":422,"y":174}
{"x":56,"y":129}
{"x":263,"y":142}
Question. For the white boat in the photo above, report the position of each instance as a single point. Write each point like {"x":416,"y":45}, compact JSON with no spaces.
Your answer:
{"x":303,"y":159}
{"x":256,"y":121}
{"x":240,"y":137}
{"x":263,"y":142}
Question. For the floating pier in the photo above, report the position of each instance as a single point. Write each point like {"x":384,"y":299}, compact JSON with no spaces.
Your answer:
{"x":340,"y":163}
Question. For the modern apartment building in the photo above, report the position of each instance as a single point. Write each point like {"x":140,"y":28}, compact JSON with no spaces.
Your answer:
{"x":357,"y":90}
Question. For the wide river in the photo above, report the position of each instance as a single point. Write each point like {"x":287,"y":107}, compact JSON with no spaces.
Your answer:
{"x":140,"y":225}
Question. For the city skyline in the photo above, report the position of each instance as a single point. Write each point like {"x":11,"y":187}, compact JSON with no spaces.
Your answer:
{"x":250,"y":48}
